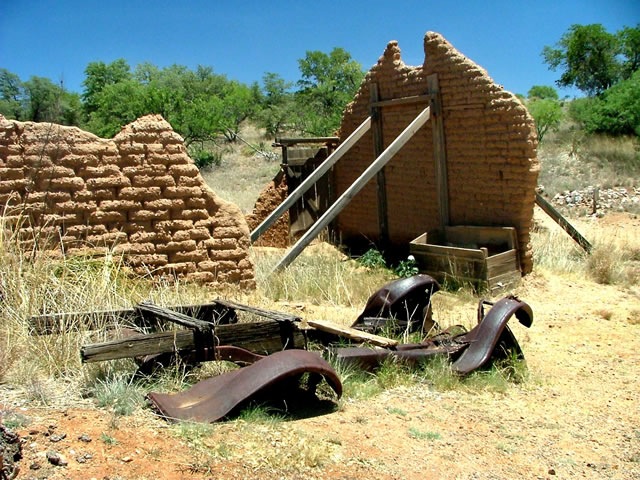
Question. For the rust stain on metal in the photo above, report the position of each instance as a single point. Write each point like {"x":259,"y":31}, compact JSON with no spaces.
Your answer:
{"x":215,"y":398}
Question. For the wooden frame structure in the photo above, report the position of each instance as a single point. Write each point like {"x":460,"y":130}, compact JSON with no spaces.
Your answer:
{"x":382,"y":156}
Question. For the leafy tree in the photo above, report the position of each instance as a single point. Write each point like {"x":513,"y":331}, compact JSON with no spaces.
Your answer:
{"x":547,"y":114}
{"x":277,"y":104}
{"x":12,"y":95}
{"x":587,"y":56}
{"x":542,"y":91}
{"x":629,"y":39}
{"x":116,"y":105}
{"x":328,"y":83}
{"x":616,"y":112}
{"x":98,"y":76}
{"x":239,"y":103}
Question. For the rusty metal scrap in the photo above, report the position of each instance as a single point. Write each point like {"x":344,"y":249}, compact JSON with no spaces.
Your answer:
{"x":406,"y":302}
{"x":489,"y":340}
{"x":217,"y":397}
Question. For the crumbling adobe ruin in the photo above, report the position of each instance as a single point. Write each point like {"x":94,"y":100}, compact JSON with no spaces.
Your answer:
{"x":490,"y":144}
{"x":138,"y":194}
{"x":490,"y":150}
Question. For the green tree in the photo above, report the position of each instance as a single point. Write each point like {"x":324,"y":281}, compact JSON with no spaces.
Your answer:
{"x":328,"y":83}
{"x":12,"y":95}
{"x":44,"y":100}
{"x":587,"y":56}
{"x":547,"y":114}
{"x":542,"y":91}
{"x":277,"y":107}
{"x":629,"y":39}
{"x":616,"y":112}
{"x":116,"y":105}
{"x":98,"y":76}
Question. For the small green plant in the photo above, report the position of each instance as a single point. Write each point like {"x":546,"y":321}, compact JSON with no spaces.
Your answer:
{"x":118,"y":393}
{"x":108,"y":439}
{"x":423,"y":435}
{"x":13,"y":420}
{"x":406,"y":268}
{"x":261,"y":414}
{"x":396,"y":411}
{"x":372,"y":259}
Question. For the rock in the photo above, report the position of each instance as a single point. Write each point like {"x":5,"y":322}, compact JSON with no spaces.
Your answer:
{"x":57,"y":459}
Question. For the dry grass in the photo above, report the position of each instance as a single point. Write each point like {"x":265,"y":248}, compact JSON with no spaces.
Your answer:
{"x":243,"y":173}
{"x":615,"y":258}
{"x":571,"y":161}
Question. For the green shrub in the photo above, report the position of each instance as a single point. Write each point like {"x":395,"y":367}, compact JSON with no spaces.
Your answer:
{"x":372,"y":259}
{"x":206,"y":158}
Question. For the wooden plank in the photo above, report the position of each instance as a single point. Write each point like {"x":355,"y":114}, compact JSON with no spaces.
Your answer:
{"x":378,"y":147}
{"x":481,"y":235}
{"x":502,"y":263}
{"x":151,"y":311}
{"x":439,"y":150}
{"x":440,"y":250}
{"x":411,"y":100}
{"x":506,"y":280}
{"x":563,"y":222}
{"x":355,"y":187}
{"x":57,"y":323}
{"x":287,"y":142}
{"x":259,"y":337}
{"x":308,"y":182}
{"x":351,"y":333}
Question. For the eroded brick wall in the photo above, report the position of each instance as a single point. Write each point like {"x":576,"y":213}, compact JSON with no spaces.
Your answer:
{"x":138,"y":194}
{"x":491,"y":151}
{"x":277,"y":235}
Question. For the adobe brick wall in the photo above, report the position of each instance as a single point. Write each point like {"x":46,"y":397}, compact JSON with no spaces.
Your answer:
{"x":277,"y":235}
{"x":490,"y":142}
{"x":138,"y":193}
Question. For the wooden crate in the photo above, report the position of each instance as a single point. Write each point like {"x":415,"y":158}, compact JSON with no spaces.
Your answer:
{"x":486,"y":257}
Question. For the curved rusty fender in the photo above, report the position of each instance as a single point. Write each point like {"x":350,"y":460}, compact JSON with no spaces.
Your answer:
{"x":387,"y":301}
{"x":212,"y":399}
{"x":484,"y":337}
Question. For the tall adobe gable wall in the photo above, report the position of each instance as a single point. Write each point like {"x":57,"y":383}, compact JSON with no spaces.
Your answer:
{"x":139,"y":194}
{"x":490,"y":142}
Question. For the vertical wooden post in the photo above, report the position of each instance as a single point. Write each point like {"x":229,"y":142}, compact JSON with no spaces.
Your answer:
{"x":378,"y":147}
{"x":439,"y":150}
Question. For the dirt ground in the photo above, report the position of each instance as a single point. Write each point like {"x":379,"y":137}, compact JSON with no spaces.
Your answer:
{"x":577,"y":416}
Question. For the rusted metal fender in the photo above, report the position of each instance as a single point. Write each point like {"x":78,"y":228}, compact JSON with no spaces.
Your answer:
{"x":490,"y":332}
{"x":402,"y":298}
{"x":212,"y":399}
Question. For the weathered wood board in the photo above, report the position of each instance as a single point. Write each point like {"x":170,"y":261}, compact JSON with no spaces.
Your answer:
{"x":486,"y":257}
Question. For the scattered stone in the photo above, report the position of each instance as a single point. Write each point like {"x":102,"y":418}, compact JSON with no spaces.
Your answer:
{"x":57,"y":459}
{"x":35,"y":466}
{"x":552,"y":471}
{"x":127,"y":459}
{"x":84,"y":438}
{"x":84,"y":458}
{"x":57,"y":437}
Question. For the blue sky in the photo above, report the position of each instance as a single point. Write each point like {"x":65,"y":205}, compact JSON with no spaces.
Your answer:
{"x":244,"y":39}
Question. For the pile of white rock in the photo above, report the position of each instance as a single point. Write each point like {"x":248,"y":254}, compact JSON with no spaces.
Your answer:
{"x":597,"y":201}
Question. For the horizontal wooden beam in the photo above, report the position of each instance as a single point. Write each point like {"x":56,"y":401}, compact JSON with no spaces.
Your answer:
{"x":287,"y":142}
{"x":260,"y":337}
{"x":401,"y":101}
